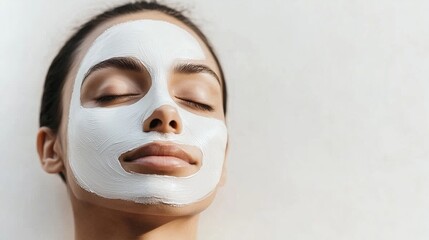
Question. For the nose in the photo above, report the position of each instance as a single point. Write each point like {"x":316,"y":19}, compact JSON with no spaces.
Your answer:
{"x":164,"y":119}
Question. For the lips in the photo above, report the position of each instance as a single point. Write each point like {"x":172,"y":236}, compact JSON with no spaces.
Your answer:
{"x":162,"y":158}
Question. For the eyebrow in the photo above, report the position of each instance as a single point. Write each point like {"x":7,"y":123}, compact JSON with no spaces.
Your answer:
{"x":133,"y":64}
{"x":195,"y":68}
{"x":123,"y":63}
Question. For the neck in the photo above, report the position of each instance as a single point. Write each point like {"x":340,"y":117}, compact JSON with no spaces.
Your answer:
{"x":95,"y":222}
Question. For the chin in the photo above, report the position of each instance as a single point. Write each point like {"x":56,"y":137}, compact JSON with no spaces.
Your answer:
{"x":82,"y":198}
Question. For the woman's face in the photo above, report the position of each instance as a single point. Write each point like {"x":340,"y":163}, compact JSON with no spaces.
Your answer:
{"x":143,"y":122}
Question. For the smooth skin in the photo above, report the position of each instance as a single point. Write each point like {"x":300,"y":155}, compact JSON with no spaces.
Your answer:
{"x":100,"y":218}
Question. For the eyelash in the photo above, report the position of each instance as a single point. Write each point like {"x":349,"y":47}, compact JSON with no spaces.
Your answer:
{"x":109,"y":98}
{"x":197,"y":105}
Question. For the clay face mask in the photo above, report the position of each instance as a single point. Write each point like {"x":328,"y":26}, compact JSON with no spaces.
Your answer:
{"x":98,"y":136}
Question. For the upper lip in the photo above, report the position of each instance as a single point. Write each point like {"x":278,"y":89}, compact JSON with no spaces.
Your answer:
{"x":158,"y":149}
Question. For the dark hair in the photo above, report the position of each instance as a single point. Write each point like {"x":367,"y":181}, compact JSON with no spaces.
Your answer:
{"x":50,"y":112}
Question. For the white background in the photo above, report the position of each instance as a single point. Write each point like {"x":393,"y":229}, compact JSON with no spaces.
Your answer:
{"x":328,"y":117}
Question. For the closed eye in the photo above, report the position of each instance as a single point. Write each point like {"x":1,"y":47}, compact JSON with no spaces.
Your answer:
{"x":196,"y":105}
{"x":109,"y":98}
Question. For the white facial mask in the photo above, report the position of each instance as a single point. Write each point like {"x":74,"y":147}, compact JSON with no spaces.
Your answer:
{"x":98,"y":136}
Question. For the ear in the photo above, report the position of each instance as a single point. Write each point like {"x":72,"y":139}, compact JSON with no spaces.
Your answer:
{"x":49,"y":149}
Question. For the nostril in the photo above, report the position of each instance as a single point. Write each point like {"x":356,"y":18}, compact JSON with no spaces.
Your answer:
{"x":164,"y":119}
{"x":173,"y":124}
{"x":154,"y":123}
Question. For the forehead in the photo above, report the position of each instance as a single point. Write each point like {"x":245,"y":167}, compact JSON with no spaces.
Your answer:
{"x":158,"y":44}
{"x":147,"y":15}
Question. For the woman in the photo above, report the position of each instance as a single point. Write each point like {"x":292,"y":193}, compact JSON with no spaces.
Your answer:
{"x":133,"y":119}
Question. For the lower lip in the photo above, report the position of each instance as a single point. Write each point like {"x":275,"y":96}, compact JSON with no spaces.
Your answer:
{"x":159,"y":163}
